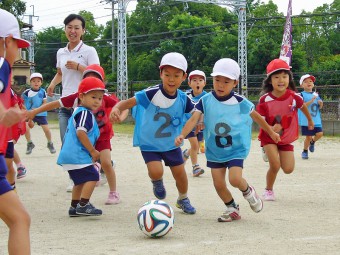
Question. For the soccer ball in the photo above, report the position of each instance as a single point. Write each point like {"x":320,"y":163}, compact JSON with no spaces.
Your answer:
{"x":155,"y":218}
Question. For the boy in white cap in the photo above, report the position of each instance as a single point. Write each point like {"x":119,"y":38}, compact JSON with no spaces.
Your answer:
{"x":197,"y":82}
{"x":227,"y":133}
{"x":159,"y":119}
{"x":34,"y":98}
{"x":12,"y":212}
{"x":314,"y":103}
{"x":78,"y":151}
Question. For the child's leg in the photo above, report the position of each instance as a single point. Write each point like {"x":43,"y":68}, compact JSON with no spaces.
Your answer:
{"x":317,"y":136}
{"x":13,"y":213}
{"x":30,"y":144}
{"x":194,"y":147}
{"x":274,"y":164}
{"x":155,"y":170}
{"x":307,"y":141}
{"x":47,"y":132}
{"x":218,"y":176}
{"x":87,"y":189}
{"x":28,"y":134}
{"x":287,"y":161}
{"x":105,"y":161}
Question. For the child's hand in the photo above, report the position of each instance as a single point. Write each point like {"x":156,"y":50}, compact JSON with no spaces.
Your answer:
{"x":30,"y":123}
{"x":12,"y":116}
{"x":95,"y":155}
{"x":277,"y":128}
{"x":199,"y":127}
{"x":179,"y":140}
{"x":275,"y":136}
{"x":115,"y":115}
{"x":30,"y":114}
{"x":310,"y":125}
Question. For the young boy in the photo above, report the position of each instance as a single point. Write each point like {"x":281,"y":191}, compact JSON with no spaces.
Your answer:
{"x":78,"y":152}
{"x":227,"y":133}
{"x":314,"y":103}
{"x":12,"y":211}
{"x":161,"y":109}
{"x":196,"y":81}
{"x":34,"y":98}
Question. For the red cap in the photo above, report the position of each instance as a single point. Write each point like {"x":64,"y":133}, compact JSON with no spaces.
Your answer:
{"x":276,"y":65}
{"x":95,"y":68}
{"x":89,"y":84}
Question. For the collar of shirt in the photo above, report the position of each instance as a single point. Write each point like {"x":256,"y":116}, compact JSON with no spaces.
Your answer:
{"x":77,"y":48}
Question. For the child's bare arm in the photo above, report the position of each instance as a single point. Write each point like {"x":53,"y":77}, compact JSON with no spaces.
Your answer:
{"x":85,"y":141}
{"x":189,"y":126}
{"x":265,"y":126}
{"x":117,"y":110}
{"x":43,"y":108}
{"x":305,"y":111}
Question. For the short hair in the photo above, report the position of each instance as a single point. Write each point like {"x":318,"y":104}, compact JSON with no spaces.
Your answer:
{"x":73,"y":16}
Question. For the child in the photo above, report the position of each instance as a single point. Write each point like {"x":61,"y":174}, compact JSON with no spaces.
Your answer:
{"x":161,"y":109}
{"x":314,"y":104}
{"x":12,"y":212}
{"x":34,"y":98}
{"x":279,"y":107}
{"x":227,"y":133}
{"x":197,"y":81}
{"x":78,"y":152}
{"x":103,"y":144}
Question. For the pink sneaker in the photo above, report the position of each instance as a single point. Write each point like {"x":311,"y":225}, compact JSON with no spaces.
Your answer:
{"x":113,"y":198}
{"x":268,"y":195}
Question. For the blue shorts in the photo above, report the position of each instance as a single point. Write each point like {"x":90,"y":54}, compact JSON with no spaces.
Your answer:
{"x":40,"y":120}
{"x":171,"y":158}
{"x":192,"y":134}
{"x":10,"y":150}
{"x":306,"y":132}
{"x":82,"y":175}
{"x":228,"y":164}
{"x":4,"y":184}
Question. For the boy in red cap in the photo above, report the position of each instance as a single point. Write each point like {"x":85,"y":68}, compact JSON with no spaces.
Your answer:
{"x":78,"y":152}
{"x":12,"y":212}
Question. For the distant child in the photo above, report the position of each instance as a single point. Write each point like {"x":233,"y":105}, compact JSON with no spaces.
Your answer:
{"x":102,"y":115}
{"x":227,"y":133}
{"x":159,"y":119}
{"x":78,"y":154}
{"x":12,"y":211}
{"x":196,"y":81}
{"x":34,"y":98}
{"x":278,"y":105}
{"x":314,"y":103}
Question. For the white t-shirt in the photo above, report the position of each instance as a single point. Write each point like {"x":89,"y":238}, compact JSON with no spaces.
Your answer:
{"x":84,"y":55}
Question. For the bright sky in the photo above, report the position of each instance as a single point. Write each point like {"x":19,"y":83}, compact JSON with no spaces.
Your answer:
{"x":53,"y":12}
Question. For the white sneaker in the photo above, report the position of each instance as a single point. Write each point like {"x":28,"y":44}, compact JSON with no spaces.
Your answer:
{"x":70,"y":186}
{"x":230,"y":214}
{"x":264,"y":155}
{"x":254,"y":200}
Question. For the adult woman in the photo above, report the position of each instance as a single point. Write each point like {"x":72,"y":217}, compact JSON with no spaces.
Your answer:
{"x":71,"y":62}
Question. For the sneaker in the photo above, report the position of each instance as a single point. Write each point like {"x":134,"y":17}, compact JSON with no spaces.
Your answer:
{"x":311,"y":146}
{"x":304,"y":155}
{"x":264,"y":155}
{"x":88,"y":210}
{"x":202,"y":147}
{"x":21,"y":172}
{"x":185,"y":154}
{"x":72,"y":212}
{"x":254,"y":201}
{"x":185,"y":205}
{"x":30,"y":147}
{"x":268,"y":195}
{"x":70,"y":186}
{"x":158,"y":189}
{"x":197,"y":170}
{"x":51,"y":147}
{"x":230,"y":214}
{"x":113,"y":198}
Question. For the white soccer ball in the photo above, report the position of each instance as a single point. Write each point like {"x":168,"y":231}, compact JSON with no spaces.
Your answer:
{"x":155,"y":218}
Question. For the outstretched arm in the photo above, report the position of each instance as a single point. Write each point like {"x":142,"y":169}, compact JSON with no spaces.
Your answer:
{"x":117,"y":112}
{"x":265,"y":126}
{"x":189,"y":126}
{"x":43,"y":108}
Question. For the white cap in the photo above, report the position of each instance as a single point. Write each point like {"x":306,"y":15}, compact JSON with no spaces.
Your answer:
{"x":174,"y":59}
{"x":10,"y":26}
{"x":36,"y":75}
{"x":226,"y":67}
{"x":304,"y":77}
{"x":197,"y":72}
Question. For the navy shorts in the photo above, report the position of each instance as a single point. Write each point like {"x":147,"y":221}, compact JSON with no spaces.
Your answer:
{"x":228,"y":164}
{"x":171,"y":158}
{"x":82,"y":175}
{"x":40,"y":120}
{"x":10,"y":150}
{"x":4,"y":184}
{"x":306,"y":132}
{"x":192,"y":134}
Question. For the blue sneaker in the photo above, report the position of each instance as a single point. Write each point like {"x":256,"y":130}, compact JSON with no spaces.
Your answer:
{"x":72,"y":212}
{"x":185,"y":205}
{"x":158,"y":189}
{"x":311,"y":147}
{"x":304,"y":155}
{"x":88,"y":210}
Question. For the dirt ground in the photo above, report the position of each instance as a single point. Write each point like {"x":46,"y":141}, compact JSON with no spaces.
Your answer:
{"x":303,"y":220}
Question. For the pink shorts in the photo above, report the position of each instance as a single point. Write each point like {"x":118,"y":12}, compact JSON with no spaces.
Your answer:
{"x":103,"y":145}
{"x":281,"y":147}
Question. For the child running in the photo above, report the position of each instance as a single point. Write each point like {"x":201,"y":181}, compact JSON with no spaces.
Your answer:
{"x":314,"y":103}
{"x":78,"y":152}
{"x":197,"y":81}
{"x":12,"y":211}
{"x":159,"y":119}
{"x":278,"y":105}
{"x":227,"y":133}
{"x":34,"y":98}
{"x":103,"y":144}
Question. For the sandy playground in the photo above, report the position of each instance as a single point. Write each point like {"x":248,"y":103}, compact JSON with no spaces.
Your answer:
{"x":305,"y":218}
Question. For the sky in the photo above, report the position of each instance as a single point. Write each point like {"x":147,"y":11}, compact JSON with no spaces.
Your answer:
{"x":53,"y":12}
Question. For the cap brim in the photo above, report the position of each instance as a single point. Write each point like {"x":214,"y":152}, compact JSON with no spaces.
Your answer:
{"x":180,"y":68}
{"x":105,"y":90}
{"x":23,"y":43}
{"x":279,"y":69}
{"x":224,"y":75}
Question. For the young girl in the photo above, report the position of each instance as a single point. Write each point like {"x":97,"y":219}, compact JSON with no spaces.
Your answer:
{"x":278,"y":105}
